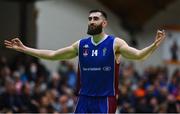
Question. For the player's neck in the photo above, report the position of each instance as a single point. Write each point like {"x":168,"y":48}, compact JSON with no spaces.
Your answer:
{"x":99,"y":37}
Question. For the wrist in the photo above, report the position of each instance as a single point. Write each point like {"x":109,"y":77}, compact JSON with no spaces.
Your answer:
{"x":22,"y":49}
{"x":154,"y":45}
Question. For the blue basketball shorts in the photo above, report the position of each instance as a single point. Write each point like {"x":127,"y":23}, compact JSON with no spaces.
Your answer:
{"x":91,"y":104}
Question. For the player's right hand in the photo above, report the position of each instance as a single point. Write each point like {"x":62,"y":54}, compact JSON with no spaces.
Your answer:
{"x":15,"y":44}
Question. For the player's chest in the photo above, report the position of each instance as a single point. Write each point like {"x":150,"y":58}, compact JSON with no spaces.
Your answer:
{"x":98,"y":54}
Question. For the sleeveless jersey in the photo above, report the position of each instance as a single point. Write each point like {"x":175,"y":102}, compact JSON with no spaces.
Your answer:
{"x":98,"y":71}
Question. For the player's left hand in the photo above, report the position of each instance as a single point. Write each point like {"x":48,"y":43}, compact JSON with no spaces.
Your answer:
{"x":160,"y":36}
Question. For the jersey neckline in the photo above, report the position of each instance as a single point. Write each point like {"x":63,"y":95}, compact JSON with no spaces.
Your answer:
{"x":95,"y":44}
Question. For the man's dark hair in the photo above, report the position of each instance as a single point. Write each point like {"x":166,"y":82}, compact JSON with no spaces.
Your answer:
{"x":101,"y":11}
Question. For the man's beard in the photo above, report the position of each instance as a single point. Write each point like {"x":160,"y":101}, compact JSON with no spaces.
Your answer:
{"x":94,"y":30}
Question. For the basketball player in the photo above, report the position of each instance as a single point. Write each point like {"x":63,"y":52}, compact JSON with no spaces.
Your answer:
{"x":98,"y":62}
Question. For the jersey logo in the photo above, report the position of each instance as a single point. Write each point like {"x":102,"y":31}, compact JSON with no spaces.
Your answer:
{"x":104,"y":51}
{"x":94,"y":53}
{"x":106,"y":68}
{"x":85,"y":50}
{"x":86,"y":46}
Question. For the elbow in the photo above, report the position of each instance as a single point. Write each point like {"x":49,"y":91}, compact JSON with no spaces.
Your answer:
{"x":54,"y":57}
{"x":142,"y":59}
{"x":51,"y":56}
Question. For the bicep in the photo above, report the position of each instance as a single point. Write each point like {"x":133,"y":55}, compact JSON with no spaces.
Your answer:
{"x":126,"y":51}
{"x":67,"y":52}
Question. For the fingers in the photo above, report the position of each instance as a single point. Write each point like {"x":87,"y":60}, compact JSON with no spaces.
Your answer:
{"x":160,"y":36}
{"x":11,"y":43}
{"x":6,"y":42}
{"x":15,"y":39}
{"x":161,"y":32}
{"x":10,"y":47}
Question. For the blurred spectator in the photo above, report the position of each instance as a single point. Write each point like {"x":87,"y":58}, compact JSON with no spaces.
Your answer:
{"x":55,"y":82}
{"x":174,"y":51}
{"x":71,"y":81}
{"x":29,"y":104}
{"x":63,"y":68}
{"x":142,"y":105}
{"x":18,"y":82}
{"x":172,"y":106}
{"x":153,"y":105}
{"x":162,"y":108}
{"x":163,"y":93}
{"x":5,"y":73}
{"x":174,"y":81}
{"x":3,"y":61}
{"x":9,"y":99}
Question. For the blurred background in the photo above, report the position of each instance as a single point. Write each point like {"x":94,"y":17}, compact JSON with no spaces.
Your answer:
{"x":28,"y":84}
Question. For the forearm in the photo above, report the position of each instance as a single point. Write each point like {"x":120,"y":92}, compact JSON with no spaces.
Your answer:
{"x":60,"y":54}
{"x":146,"y":52}
{"x":131,"y":53}
{"x":43,"y":54}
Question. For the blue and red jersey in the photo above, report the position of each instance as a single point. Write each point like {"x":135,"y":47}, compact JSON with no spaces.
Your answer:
{"x":98,"y":70}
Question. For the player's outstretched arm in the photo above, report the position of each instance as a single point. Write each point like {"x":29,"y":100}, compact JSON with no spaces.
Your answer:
{"x":60,"y":54}
{"x":135,"y":54}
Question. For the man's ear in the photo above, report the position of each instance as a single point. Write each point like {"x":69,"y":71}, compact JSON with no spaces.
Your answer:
{"x":105,"y":23}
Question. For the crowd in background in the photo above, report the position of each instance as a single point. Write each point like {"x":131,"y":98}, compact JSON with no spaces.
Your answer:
{"x":26,"y":85}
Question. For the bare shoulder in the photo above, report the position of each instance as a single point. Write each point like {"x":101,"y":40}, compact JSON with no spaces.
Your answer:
{"x":75,"y":45}
{"x":119,"y":42}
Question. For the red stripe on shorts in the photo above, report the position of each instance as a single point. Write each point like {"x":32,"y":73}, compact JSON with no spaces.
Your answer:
{"x":112,"y":104}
